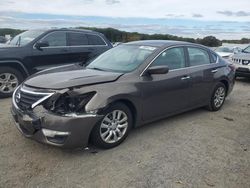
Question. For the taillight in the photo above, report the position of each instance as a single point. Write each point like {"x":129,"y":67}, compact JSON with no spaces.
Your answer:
{"x":232,"y":67}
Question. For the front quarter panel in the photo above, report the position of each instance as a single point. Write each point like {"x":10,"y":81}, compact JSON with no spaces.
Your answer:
{"x":124,"y":89}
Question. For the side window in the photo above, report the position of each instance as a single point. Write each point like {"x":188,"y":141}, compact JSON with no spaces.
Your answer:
{"x":77,"y":39}
{"x":174,"y":58}
{"x":198,"y":56}
{"x":55,"y":39}
{"x":213,"y":57}
{"x":95,"y":40}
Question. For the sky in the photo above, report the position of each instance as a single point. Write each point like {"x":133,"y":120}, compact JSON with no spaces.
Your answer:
{"x":224,"y":19}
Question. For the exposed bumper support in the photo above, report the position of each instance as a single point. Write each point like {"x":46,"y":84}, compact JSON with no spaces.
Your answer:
{"x":70,"y":131}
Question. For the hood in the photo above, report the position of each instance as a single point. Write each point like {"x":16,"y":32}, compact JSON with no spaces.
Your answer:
{"x":244,"y":56}
{"x":224,"y":54}
{"x":5,"y":45}
{"x":70,"y":76}
{"x":12,"y":52}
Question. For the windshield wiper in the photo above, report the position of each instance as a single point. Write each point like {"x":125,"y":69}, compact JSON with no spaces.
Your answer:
{"x":95,"y":68}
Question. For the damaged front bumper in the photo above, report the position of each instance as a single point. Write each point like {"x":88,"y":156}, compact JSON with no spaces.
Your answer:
{"x":71,"y":131}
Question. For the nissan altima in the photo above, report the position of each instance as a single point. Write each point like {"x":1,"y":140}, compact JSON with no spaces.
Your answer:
{"x":125,"y":87}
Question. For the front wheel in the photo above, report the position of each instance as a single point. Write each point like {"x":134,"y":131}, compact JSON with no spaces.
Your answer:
{"x":113,"y":129}
{"x":218,"y":97}
{"x":9,"y":80}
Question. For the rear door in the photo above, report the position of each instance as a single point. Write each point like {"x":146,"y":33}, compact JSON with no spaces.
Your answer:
{"x":202,"y":71}
{"x":54,"y":55}
{"x":97,"y":44}
{"x":166,"y":94}
{"x":79,"y":48}
{"x":84,"y":47}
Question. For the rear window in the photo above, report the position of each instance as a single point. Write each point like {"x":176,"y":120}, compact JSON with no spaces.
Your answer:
{"x":198,"y":56}
{"x":213,"y":57}
{"x":77,"y":39}
{"x":95,"y":40}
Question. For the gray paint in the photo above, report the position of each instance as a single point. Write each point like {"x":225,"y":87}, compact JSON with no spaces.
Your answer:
{"x":153,"y":96}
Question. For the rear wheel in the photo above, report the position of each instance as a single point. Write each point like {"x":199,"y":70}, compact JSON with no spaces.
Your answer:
{"x":113,"y":129}
{"x":218,"y":97}
{"x":9,"y":80}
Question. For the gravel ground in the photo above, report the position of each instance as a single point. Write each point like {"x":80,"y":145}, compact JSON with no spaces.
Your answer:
{"x":194,"y":149}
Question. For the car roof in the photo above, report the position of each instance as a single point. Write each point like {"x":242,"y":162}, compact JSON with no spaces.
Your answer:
{"x":160,"y":43}
{"x":66,"y":29}
{"x":74,"y":30}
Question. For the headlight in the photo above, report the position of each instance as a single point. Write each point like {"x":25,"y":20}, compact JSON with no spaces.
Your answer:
{"x":66,"y":103}
{"x":77,"y":103}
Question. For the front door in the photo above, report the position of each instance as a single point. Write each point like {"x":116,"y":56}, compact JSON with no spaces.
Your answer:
{"x":166,"y":94}
{"x":54,"y":55}
{"x":84,"y":47}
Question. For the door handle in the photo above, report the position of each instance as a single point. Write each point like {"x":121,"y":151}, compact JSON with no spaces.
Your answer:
{"x":185,"y":77}
{"x":214,"y":70}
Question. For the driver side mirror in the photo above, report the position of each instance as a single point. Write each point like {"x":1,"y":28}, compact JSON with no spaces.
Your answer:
{"x":40,"y":45}
{"x":157,"y":70}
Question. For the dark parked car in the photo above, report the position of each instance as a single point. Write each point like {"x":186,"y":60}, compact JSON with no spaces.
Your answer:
{"x":35,"y":50}
{"x":125,"y":87}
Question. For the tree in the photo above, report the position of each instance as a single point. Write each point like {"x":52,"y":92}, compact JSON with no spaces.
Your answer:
{"x":209,"y":41}
{"x":115,"y":35}
{"x":11,"y":32}
{"x":245,"y":41}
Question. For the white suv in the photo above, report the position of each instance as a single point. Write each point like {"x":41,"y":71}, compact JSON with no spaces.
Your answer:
{"x":242,"y":63}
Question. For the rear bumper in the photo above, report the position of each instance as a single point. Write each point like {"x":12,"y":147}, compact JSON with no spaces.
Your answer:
{"x":67,"y":132}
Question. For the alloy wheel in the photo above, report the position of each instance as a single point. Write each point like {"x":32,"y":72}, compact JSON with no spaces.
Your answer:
{"x":114,"y":126}
{"x":8,"y":82}
{"x":219,"y":97}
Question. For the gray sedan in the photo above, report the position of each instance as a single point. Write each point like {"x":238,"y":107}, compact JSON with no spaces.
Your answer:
{"x":126,"y":87}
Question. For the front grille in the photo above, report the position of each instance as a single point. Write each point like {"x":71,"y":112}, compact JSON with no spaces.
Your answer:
{"x":25,"y":99}
{"x":241,"y":61}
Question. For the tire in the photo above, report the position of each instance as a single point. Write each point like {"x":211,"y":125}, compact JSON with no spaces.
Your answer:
{"x":10,"y":78}
{"x":108,"y":127}
{"x":218,"y":97}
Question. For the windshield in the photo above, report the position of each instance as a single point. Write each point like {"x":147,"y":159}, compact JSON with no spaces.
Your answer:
{"x":123,"y":58}
{"x":25,"y":37}
{"x":247,"y":50}
{"x":224,"y":49}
